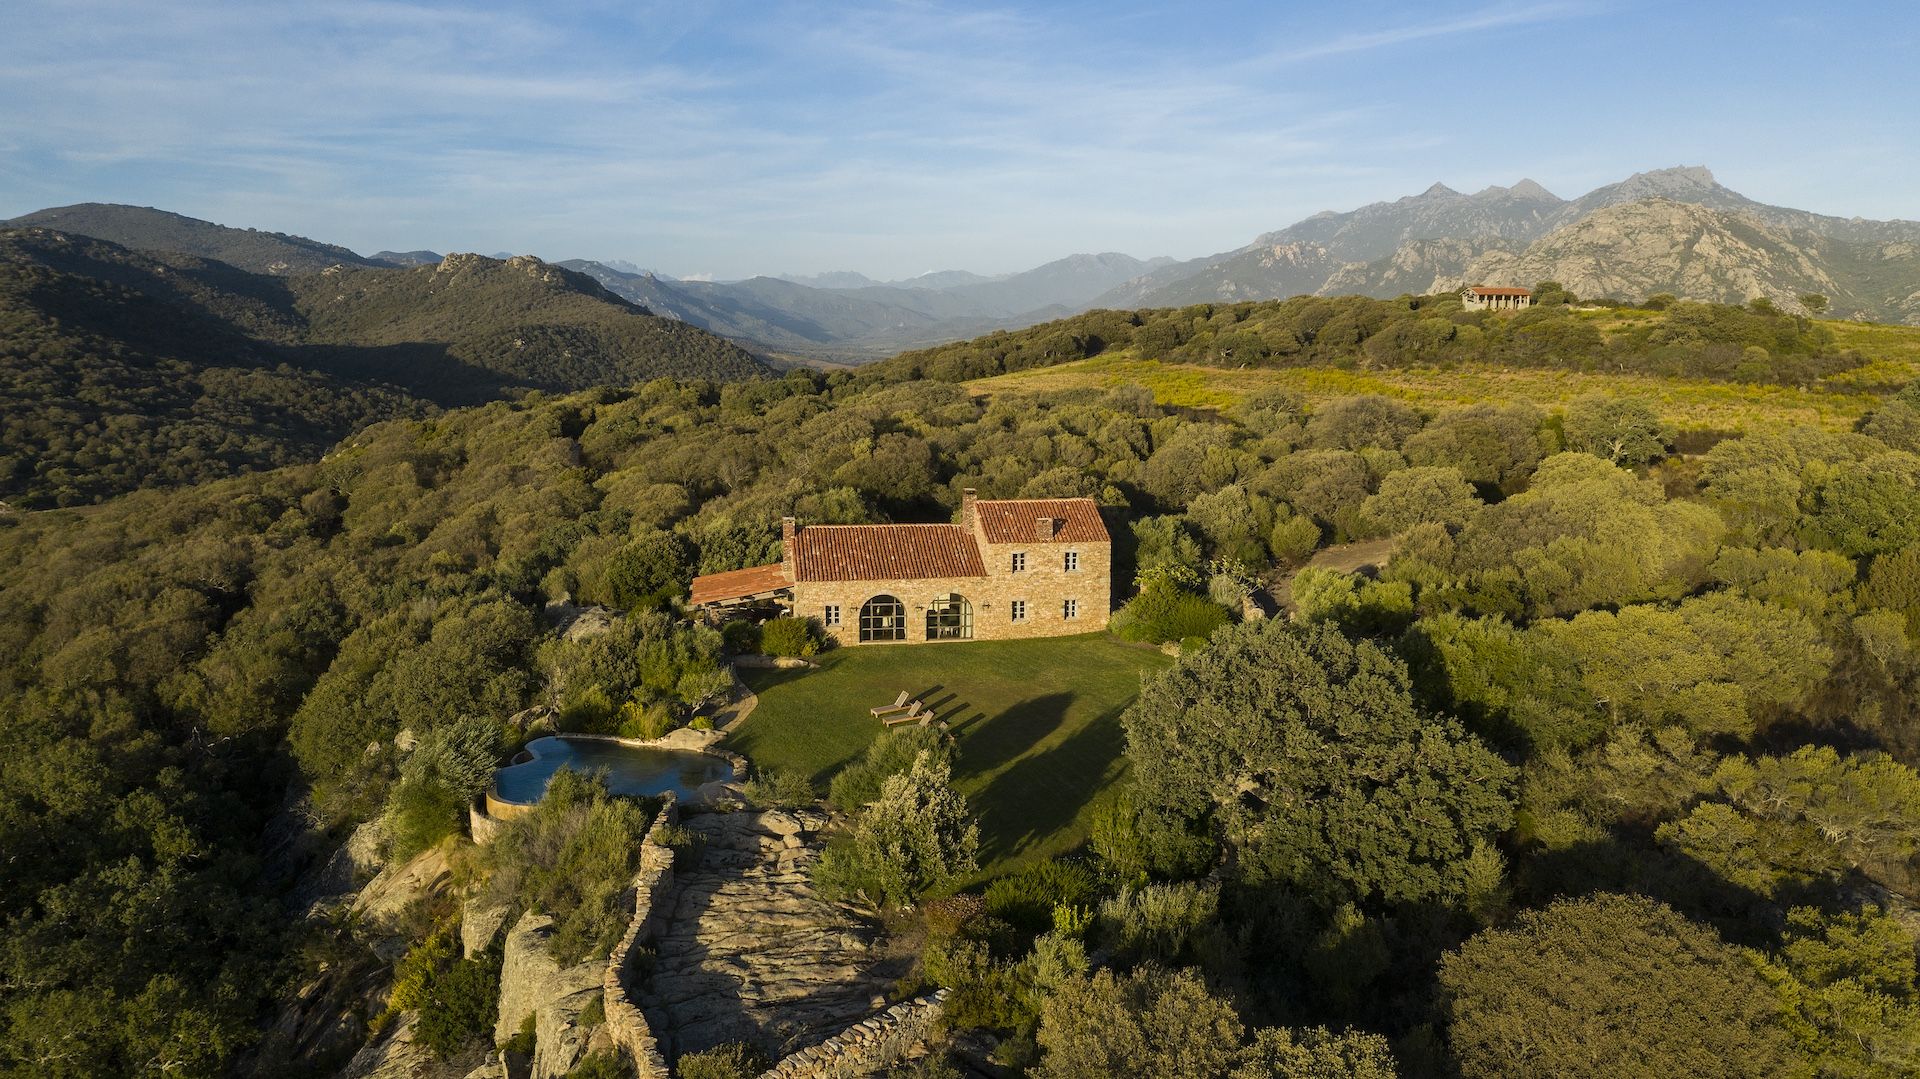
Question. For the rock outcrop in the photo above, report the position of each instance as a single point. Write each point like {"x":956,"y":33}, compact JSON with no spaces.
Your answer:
{"x":747,"y":952}
{"x":533,"y":983}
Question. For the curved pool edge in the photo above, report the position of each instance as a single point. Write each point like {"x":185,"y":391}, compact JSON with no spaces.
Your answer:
{"x":502,"y":809}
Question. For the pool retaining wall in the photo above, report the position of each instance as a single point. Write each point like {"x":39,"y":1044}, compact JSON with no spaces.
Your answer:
{"x":625,"y":1022}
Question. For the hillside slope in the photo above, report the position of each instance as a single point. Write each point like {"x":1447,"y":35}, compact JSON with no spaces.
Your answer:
{"x":1654,"y":245}
{"x":144,"y":228}
{"x":1442,"y":237}
{"x":121,"y":369}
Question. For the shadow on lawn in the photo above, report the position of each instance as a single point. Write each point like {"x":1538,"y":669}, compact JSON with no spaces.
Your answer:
{"x":1042,"y":792}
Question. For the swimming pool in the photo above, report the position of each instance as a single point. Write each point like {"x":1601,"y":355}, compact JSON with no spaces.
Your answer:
{"x":630,"y":770}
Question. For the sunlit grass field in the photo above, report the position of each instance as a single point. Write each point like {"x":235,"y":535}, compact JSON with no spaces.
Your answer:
{"x":1036,"y":725}
{"x":1835,"y":403}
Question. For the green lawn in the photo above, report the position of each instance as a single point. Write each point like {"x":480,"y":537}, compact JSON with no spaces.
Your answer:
{"x":1037,"y":725}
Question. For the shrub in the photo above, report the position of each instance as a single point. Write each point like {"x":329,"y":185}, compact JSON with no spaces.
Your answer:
{"x":419,"y":814}
{"x":1029,"y":897}
{"x":1162,"y":613}
{"x":524,"y":1039}
{"x":783,"y":788}
{"x":916,"y":837}
{"x":735,"y":1060}
{"x":595,"y":1013}
{"x":792,"y":637}
{"x":740,"y":637}
{"x":890,"y":754}
{"x":646,"y":721}
{"x":449,"y":767}
{"x":1157,"y":921}
{"x":571,"y":857}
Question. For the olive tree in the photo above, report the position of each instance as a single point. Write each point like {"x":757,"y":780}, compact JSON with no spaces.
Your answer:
{"x":1302,"y":754}
{"x":1609,"y":985}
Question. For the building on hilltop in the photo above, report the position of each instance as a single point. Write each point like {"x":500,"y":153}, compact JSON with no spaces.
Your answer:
{"x":1010,"y":568}
{"x":1495,"y":298}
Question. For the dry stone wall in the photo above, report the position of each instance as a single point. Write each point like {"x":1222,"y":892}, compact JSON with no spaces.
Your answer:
{"x":868,"y":1045}
{"x":651,"y":885}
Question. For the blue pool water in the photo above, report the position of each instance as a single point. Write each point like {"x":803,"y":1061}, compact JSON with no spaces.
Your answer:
{"x":630,"y":770}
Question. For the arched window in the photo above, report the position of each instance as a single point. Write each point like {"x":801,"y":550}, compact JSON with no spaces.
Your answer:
{"x":883,"y":618}
{"x":949,"y":618}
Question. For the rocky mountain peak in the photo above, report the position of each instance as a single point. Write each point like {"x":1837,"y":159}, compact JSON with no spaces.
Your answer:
{"x":1680,"y":180}
{"x":1527,"y":189}
{"x":1439,"y":190}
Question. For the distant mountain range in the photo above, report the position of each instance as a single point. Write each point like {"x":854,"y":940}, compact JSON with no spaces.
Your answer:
{"x":782,"y":316}
{"x":1670,"y":230}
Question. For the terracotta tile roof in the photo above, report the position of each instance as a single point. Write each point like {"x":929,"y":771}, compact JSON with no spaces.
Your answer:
{"x":737,"y":584}
{"x":1500,"y":290}
{"x":1014,"y":520}
{"x":885,"y":552}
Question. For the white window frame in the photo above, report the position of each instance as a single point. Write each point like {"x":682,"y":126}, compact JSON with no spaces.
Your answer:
{"x":1070,"y":609}
{"x":830,"y":615}
{"x":1071,"y":561}
{"x":1017,"y":610}
{"x":1019,"y":562}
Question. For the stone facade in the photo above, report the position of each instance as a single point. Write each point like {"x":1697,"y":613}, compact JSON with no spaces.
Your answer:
{"x":1031,"y":568}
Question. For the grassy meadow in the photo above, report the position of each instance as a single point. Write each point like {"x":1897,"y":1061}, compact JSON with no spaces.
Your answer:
{"x":1036,"y":726}
{"x":1836,"y":403}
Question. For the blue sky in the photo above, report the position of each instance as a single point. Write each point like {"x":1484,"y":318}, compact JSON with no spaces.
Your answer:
{"x":896,"y":138}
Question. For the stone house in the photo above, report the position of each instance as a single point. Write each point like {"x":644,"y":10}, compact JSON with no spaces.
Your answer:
{"x":1010,"y":568}
{"x":1495,"y":298}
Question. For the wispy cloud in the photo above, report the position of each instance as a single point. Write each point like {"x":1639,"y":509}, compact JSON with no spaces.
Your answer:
{"x":1421,"y":29}
{"x":883,"y":135}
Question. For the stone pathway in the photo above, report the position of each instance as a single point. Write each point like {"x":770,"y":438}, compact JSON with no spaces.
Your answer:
{"x":748,"y":952}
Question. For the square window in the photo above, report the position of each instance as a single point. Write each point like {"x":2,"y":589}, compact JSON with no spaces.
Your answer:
{"x":1073,"y":561}
{"x":1019,"y":561}
{"x":1070,"y":609}
{"x":830,"y":616}
{"x":1019,"y":608}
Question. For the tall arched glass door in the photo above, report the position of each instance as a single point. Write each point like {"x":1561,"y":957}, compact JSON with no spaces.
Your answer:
{"x":883,"y":618}
{"x":949,"y":618}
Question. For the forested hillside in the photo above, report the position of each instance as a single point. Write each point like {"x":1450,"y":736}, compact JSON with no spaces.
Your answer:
{"x":1755,"y":343}
{"x":144,"y":228}
{"x":1602,"y":692}
{"x":120,"y":369}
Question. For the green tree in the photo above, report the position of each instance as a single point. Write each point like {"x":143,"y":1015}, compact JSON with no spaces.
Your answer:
{"x":1847,"y":983}
{"x":1815,"y":303}
{"x":1609,"y":985}
{"x":1624,"y":430}
{"x":1304,"y":756}
{"x":915,"y":838}
{"x":649,"y":571}
{"x":1419,"y":495}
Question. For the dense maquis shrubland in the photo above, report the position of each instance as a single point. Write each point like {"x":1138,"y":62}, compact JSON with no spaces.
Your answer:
{"x":1608,"y":710}
{"x":1751,"y":343}
{"x":127,"y":369}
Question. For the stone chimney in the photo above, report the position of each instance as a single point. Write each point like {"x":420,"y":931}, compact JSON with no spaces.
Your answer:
{"x":1045,"y":528}
{"x":788,"y":530}
{"x":967,"y":511}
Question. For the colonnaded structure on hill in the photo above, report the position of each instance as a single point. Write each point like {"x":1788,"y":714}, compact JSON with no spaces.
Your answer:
{"x":1010,"y":568}
{"x":1495,"y":298}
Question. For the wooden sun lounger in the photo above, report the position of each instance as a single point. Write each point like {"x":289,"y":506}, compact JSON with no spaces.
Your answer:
{"x":919,"y":713}
{"x":899,"y":704}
